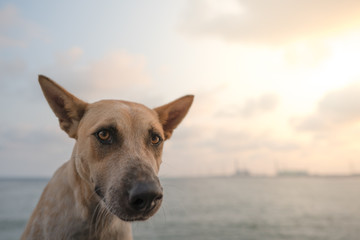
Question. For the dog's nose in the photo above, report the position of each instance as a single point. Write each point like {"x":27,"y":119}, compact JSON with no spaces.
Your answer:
{"x":144,"y":196}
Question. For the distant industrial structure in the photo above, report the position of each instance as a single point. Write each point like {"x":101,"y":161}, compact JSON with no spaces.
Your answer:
{"x":243,"y":172}
{"x":292,"y":173}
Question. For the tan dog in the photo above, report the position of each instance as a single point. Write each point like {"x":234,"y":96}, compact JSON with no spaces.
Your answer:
{"x":111,"y":178}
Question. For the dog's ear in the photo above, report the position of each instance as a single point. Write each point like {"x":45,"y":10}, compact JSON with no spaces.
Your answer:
{"x":173,"y":113}
{"x":66,"y":107}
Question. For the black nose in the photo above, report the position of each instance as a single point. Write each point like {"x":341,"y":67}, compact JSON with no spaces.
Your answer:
{"x":144,"y":196}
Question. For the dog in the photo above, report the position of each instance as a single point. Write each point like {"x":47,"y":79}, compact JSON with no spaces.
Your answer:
{"x":111,"y":178}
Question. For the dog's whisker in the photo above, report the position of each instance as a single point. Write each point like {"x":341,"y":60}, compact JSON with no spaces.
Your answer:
{"x":102,"y":219}
{"x":94,"y":219}
{"x":105,"y":218}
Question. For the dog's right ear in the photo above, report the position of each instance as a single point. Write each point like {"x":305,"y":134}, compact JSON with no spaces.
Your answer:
{"x":68,"y":108}
{"x":171,"y":114}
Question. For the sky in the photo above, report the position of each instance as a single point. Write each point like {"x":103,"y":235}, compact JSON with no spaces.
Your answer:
{"x":276,"y":83}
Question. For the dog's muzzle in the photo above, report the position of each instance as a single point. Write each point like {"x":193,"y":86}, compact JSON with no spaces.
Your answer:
{"x":137,"y":196}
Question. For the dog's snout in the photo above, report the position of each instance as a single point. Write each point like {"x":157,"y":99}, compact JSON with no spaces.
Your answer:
{"x":144,"y":196}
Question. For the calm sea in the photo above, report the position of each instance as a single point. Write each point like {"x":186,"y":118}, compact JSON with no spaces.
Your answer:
{"x":224,"y":208}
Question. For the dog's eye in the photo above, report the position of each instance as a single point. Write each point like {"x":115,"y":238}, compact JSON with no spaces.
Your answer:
{"x":155,"y":139}
{"x":104,"y":136}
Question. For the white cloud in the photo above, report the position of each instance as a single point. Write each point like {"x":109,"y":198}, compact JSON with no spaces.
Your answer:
{"x":271,"y":21}
{"x":252,"y":107}
{"x":69,"y":57}
{"x":119,"y":69}
{"x":335,"y":109}
{"x":28,"y":151}
{"x":114,"y":75}
{"x":265,"y":103}
{"x":199,"y":149}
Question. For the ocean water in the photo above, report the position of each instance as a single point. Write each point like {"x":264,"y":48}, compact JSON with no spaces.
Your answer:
{"x":224,"y":208}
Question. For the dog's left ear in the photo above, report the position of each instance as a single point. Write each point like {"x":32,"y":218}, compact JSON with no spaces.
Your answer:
{"x":173,"y":113}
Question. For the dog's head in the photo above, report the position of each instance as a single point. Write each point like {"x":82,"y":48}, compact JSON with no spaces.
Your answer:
{"x":118,"y":147}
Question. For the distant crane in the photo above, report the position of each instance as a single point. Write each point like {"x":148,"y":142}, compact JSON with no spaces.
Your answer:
{"x":240,"y":172}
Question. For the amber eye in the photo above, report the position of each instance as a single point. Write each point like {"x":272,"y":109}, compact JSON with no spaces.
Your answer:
{"x":104,"y":136}
{"x":155,"y":139}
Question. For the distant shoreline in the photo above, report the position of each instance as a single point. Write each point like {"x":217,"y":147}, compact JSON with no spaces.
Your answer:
{"x":24,"y":178}
{"x":332,"y":176}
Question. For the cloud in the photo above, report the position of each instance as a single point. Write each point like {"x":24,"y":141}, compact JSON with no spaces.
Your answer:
{"x":336,"y":109}
{"x":69,"y":57}
{"x":266,"y":102}
{"x":267,"y":22}
{"x":119,"y":69}
{"x":15,"y":31}
{"x":112,"y":75}
{"x":35,"y":151}
{"x":24,"y":135}
{"x":213,"y":150}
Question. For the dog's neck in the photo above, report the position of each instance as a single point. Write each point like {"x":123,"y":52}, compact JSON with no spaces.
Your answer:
{"x":80,"y":182}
